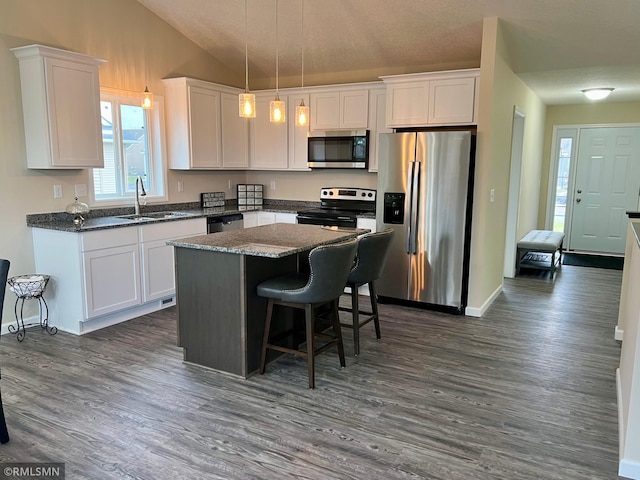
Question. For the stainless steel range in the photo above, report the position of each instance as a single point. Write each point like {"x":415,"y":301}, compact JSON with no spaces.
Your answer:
{"x":340,"y":207}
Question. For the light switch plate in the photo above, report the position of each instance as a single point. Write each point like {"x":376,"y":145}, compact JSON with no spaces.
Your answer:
{"x":81,"y":190}
{"x":57,"y":191}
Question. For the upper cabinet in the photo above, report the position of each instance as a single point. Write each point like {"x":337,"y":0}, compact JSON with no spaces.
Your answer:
{"x":268,"y":141}
{"x":61,"y":108}
{"x":432,"y":99}
{"x":204,"y":131}
{"x":340,"y":109}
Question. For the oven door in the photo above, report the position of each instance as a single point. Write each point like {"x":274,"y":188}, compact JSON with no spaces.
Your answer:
{"x":331,"y":221}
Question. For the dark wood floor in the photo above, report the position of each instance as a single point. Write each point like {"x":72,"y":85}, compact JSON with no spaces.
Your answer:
{"x":526,"y":392}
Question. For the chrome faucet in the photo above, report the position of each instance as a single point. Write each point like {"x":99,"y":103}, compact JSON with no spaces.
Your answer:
{"x":138,"y":195}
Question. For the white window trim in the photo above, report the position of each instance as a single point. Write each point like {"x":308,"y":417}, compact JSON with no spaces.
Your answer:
{"x":157,"y":144}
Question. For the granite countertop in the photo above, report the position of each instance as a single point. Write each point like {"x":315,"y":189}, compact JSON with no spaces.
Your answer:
{"x":101,"y":219}
{"x":276,"y":240}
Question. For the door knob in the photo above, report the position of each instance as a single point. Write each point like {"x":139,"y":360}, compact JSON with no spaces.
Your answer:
{"x":578,"y":200}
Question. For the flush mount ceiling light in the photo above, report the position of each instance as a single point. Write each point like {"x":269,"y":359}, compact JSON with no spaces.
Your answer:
{"x":246,"y":100}
{"x":302,"y":111}
{"x":597,"y":93}
{"x":277,"y":107}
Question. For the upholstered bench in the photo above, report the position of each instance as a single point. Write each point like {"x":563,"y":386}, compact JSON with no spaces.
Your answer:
{"x":541,"y":242}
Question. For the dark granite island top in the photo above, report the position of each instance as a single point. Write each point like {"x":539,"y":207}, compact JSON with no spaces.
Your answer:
{"x":275,"y":241}
{"x":220,"y":315}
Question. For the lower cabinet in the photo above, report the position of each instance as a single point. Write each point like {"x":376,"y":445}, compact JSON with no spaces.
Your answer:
{"x":256,"y":219}
{"x":104,"y":277}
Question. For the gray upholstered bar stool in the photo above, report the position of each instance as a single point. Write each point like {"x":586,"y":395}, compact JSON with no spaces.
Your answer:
{"x":373,"y":249}
{"x":329,"y":268}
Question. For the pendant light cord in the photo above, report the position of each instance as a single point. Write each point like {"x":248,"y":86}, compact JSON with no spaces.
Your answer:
{"x":302,"y":40}
{"x":246,"y":50}
{"x":277,"y":51}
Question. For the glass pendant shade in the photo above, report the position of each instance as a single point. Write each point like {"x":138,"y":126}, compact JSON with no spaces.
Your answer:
{"x":302,"y":115}
{"x":147,"y":99}
{"x":277,"y":110}
{"x":247,"y":105}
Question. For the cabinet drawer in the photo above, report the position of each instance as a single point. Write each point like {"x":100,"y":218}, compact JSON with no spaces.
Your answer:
{"x":173,"y":229}
{"x":113,"y":237}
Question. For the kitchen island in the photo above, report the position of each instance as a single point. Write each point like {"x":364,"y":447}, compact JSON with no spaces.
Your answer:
{"x":220,"y":315}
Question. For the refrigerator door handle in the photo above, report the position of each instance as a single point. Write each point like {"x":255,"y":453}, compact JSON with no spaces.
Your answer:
{"x":414,"y":208}
{"x":408,"y":233}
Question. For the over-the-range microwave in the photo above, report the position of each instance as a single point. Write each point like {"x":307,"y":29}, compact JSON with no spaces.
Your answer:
{"x":339,"y":149}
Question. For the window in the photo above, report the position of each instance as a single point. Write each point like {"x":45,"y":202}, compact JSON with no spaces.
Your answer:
{"x":560,"y":179}
{"x":132,"y":138}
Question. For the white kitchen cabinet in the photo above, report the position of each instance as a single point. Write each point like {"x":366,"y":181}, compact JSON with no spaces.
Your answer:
{"x":196,"y":138}
{"x":61,"y":108}
{"x":104,"y":277}
{"x":286,"y":217}
{"x":268,"y":142}
{"x":111,"y":270}
{"x":451,"y":101}
{"x":377,"y":123}
{"x":266,"y":218}
{"x":157,"y":258}
{"x":249,"y":219}
{"x":369,"y":223}
{"x":431,"y":99}
{"x":235,"y":134}
{"x":337,"y":108}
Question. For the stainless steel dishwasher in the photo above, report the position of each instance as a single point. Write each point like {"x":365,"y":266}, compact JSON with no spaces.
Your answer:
{"x":224,"y":223}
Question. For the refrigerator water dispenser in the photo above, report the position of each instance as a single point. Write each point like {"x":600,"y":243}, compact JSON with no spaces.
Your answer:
{"x":393,"y":208}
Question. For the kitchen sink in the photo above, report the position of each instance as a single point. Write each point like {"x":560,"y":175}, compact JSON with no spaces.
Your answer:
{"x":154,"y":216}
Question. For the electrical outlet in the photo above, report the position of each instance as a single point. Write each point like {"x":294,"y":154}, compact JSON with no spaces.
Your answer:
{"x":492,"y":195}
{"x":229,"y":184}
{"x":57,"y":191}
{"x":273,"y":184}
{"x":180,"y":186}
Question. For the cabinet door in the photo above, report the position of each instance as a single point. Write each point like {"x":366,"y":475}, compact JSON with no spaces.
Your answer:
{"x":235,"y":134}
{"x":204,"y":115}
{"x":451,"y":101}
{"x":286,"y":218}
{"x":157,"y":270}
{"x":325,"y":110}
{"x":298,"y":149}
{"x":354,"y":109}
{"x":377,"y":123}
{"x":266,"y":218}
{"x":249,"y":219}
{"x":112,"y":279}
{"x":408,"y":104}
{"x":369,"y":223}
{"x":268,"y":140}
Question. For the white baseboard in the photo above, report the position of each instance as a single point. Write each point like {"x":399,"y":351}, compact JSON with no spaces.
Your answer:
{"x":478,"y":312}
{"x":620,"y":423}
{"x":629,"y":469}
{"x":619,"y":333}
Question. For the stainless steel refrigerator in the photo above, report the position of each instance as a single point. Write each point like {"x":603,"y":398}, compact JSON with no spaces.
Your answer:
{"x":425,"y":192}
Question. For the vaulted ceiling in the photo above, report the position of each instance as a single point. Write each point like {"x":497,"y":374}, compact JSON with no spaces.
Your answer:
{"x":557,"y":47}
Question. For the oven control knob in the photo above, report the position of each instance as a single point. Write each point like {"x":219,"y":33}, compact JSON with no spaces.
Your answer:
{"x":331,"y":193}
{"x":324,"y":192}
{"x":370,"y":194}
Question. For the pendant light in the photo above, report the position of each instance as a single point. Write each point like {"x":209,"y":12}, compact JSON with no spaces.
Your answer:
{"x":246,"y":100}
{"x":147,"y":96}
{"x":277,"y":107}
{"x":302,"y":111}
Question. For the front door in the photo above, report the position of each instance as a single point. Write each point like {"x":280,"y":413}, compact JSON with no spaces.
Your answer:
{"x":607,"y":186}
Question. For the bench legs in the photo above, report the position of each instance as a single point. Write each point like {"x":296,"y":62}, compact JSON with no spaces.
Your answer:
{"x":522,"y":252}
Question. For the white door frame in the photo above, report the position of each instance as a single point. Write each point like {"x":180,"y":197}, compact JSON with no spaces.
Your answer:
{"x":513,"y":201}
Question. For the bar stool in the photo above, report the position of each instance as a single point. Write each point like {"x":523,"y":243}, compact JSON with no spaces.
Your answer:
{"x":323,"y":285}
{"x":373,"y":249}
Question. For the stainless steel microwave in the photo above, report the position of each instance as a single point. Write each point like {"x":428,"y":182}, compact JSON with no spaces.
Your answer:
{"x":348,"y":149}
